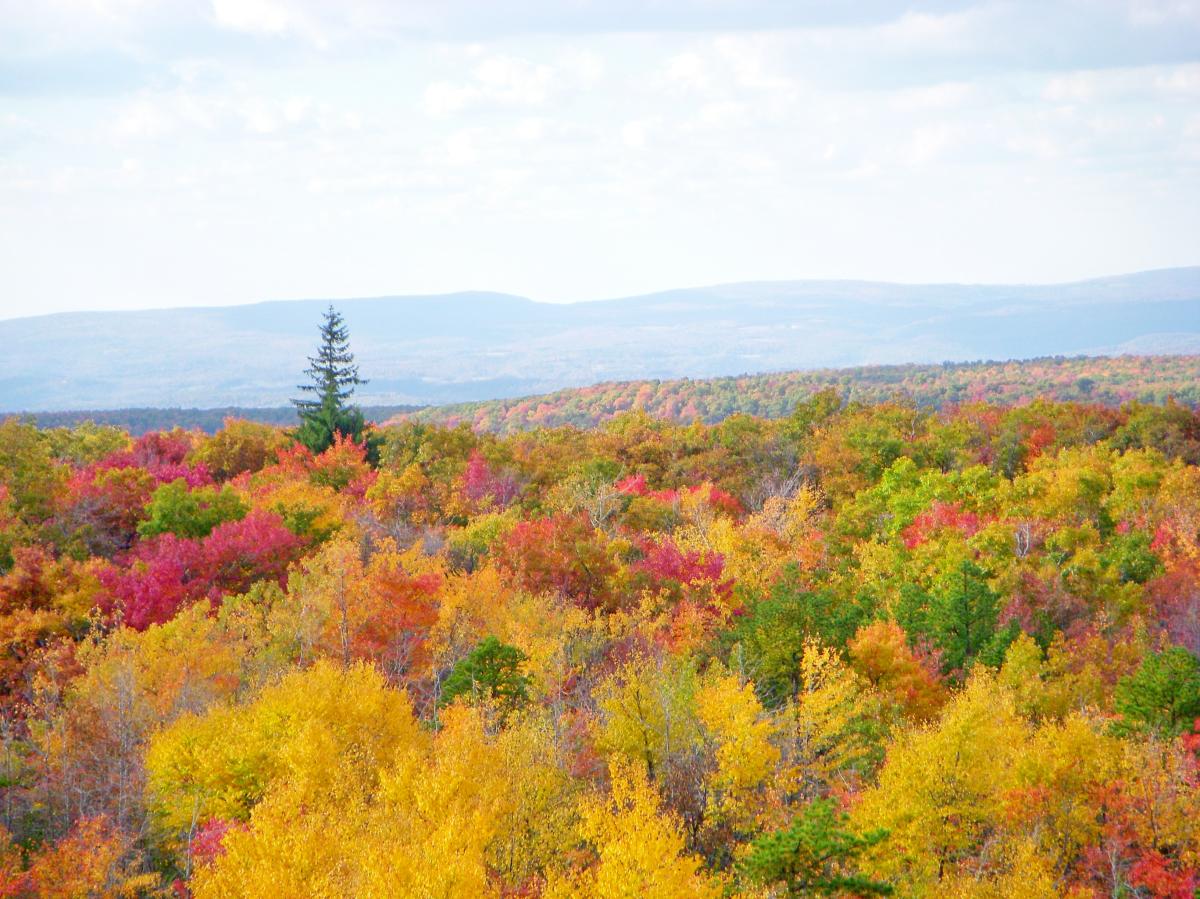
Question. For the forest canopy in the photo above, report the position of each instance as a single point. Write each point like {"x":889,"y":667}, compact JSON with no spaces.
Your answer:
{"x":859,"y":649}
{"x":1110,"y":381}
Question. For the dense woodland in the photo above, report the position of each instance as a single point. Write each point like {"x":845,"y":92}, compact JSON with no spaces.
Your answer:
{"x":1111,"y":381}
{"x":863,"y":649}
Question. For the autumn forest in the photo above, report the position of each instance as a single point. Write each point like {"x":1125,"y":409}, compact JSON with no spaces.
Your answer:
{"x":861,"y":649}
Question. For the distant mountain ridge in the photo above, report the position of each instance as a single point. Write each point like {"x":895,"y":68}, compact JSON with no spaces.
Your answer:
{"x":477,"y":346}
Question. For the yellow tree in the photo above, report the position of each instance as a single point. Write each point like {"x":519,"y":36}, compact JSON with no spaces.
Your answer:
{"x":90,"y":737}
{"x":478,"y":814}
{"x":939,"y":792}
{"x":468,"y":814}
{"x":1021,"y":870}
{"x":297,"y":843}
{"x":639,"y":849}
{"x":648,"y":711}
{"x":1057,"y":776}
{"x":436,"y":815}
{"x":221,"y":764}
{"x":735,"y":721}
{"x":829,"y":731}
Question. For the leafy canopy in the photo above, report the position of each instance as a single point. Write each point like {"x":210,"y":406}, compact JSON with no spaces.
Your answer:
{"x":175,"y":509}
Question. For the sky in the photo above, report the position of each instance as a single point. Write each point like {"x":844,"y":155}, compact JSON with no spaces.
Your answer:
{"x":207,"y":152}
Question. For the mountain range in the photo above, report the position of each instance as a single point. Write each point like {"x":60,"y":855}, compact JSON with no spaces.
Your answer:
{"x":474,"y":346}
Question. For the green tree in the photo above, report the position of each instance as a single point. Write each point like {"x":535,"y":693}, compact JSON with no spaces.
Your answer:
{"x":1163,"y":695}
{"x":775,"y":629}
{"x":492,"y":671}
{"x":85,"y":442}
{"x":1133,"y":558}
{"x":816,"y":856}
{"x":190,"y":513}
{"x":333,"y":377}
{"x":961,"y":616}
{"x":28,"y":473}
{"x":814,"y":411}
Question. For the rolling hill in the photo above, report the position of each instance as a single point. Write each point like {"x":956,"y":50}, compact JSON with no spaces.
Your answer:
{"x":478,"y":346}
{"x":1111,"y":381}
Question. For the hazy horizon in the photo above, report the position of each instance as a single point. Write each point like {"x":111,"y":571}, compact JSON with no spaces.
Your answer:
{"x":557,"y":301}
{"x":484,"y":345}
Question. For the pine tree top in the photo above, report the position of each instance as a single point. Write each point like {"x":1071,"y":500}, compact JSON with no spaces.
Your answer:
{"x":332,"y":372}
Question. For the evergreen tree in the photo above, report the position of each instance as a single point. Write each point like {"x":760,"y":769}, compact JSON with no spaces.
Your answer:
{"x":963,"y":619}
{"x":491,"y":671}
{"x":1163,"y":695}
{"x":326,"y":412}
{"x":774,"y":630}
{"x":816,"y":856}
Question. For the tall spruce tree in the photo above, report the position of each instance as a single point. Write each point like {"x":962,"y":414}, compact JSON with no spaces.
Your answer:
{"x":326,"y":411}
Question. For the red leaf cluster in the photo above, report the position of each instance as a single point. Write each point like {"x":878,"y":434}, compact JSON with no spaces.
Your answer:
{"x":168,"y":572}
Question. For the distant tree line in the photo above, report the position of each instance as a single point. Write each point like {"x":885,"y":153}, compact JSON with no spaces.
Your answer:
{"x":138,"y":421}
{"x":1107,"y":381}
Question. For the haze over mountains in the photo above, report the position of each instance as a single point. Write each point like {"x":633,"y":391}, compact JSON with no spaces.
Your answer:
{"x":470,"y":346}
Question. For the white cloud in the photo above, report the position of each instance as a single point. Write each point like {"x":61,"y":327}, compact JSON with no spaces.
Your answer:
{"x":499,"y":79}
{"x":270,"y":17}
{"x":633,"y":134}
{"x":722,"y":114}
{"x":444,"y":97}
{"x":143,"y":120}
{"x":175,"y":114}
{"x":1184,"y":80}
{"x":1037,"y":145}
{"x":513,"y":80}
{"x":941,"y":97}
{"x":688,"y":71}
{"x":1077,"y":87}
{"x":752,"y":62}
{"x":523,"y":146}
{"x":585,"y":67}
{"x":928,"y":144}
{"x":918,"y":30}
{"x":1158,"y":12}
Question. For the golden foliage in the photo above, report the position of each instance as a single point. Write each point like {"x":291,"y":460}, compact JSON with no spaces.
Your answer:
{"x":639,"y":849}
